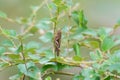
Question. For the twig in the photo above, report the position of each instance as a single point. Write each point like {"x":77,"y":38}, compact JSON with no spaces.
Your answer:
{"x":68,"y":33}
{"x":57,"y":72}
{"x":64,"y":73}
{"x":22,"y":52}
{"x":113,"y":75}
{"x":33,"y":18}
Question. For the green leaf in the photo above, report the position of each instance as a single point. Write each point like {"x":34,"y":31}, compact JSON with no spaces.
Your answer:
{"x":115,"y":57}
{"x":7,"y":43}
{"x":90,"y":74}
{"x":82,"y":20}
{"x":32,"y":45}
{"x":107,"y":44}
{"x":60,"y":4}
{"x":34,"y":57}
{"x":22,"y":20}
{"x":94,"y":44}
{"x":13,"y":56}
{"x":47,"y":37}
{"x":52,"y":6}
{"x":48,"y":78}
{"x":10,"y":33}
{"x":114,"y":67}
{"x":96,"y":56}
{"x":49,"y":66}
{"x":22,"y":68}
{"x":44,"y":24}
{"x":104,"y":32}
{"x":77,"y":77}
{"x":3,"y":65}
{"x":44,"y":60}
{"x":75,"y":16}
{"x":76,"y":48}
{"x":61,"y":66}
{"x":57,"y":2}
{"x":34,"y":30}
{"x":32,"y":69}
{"x":109,"y":78}
{"x":19,"y":49}
{"x":49,"y":54}
{"x":79,"y":18}
{"x":89,"y":32}
{"x":3,"y":15}
{"x":2,"y":50}
{"x":77,"y":58}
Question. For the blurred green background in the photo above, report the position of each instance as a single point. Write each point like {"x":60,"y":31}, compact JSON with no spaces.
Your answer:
{"x":98,"y":12}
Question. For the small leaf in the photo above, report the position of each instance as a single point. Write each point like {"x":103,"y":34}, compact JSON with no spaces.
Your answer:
{"x":33,"y":30}
{"x":109,"y":78}
{"x":22,"y":68}
{"x":22,"y":20}
{"x":114,"y":67}
{"x":76,"y":48}
{"x":11,"y":33}
{"x":34,"y":57}
{"x":90,"y":74}
{"x":32,"y":69}
{"x":94,"y":44}
{"x":49,"y":66}
{"x":96,"y":56}
{"x":47,"y":37}
{"x":77,"y":58}
{"x":104,"y":32}
{"x":107,"y":44}
{"x":57,"y":2}
{"x":3,"y":65}
{"x":114,"y":58}
{"x":43,"y":60}
{"x":77,"y":77}
{"x":13,"y":56}
{"x":48,"y":78}
{"x":43,"y":24}
{"x":7,"y":43}
{"x":32,"y":45}
{"x":80,"y":19}
{"x":3,"y":15}
{"x":89,"y":32}
{"x":19,"y":49}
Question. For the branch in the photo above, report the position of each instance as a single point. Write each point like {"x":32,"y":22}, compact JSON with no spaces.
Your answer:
{"x":33,"y":18}
{"x":113,"y":75}
{"x":57,"y":72}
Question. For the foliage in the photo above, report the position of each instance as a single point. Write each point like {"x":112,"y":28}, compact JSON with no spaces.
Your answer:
{"x":36,"y":59}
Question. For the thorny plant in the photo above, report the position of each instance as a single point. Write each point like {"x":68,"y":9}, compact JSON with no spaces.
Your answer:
{"x":59,"y":41}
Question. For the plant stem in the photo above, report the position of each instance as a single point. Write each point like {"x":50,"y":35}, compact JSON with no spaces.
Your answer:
{"x":64,"y":73}
{"x":69,"y":24}
{"x":57,"y":72}
{"x":54,"y":29}
{"x":113,"y":75}
{"x":33,"y":17}
{"x":22,"y":52}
